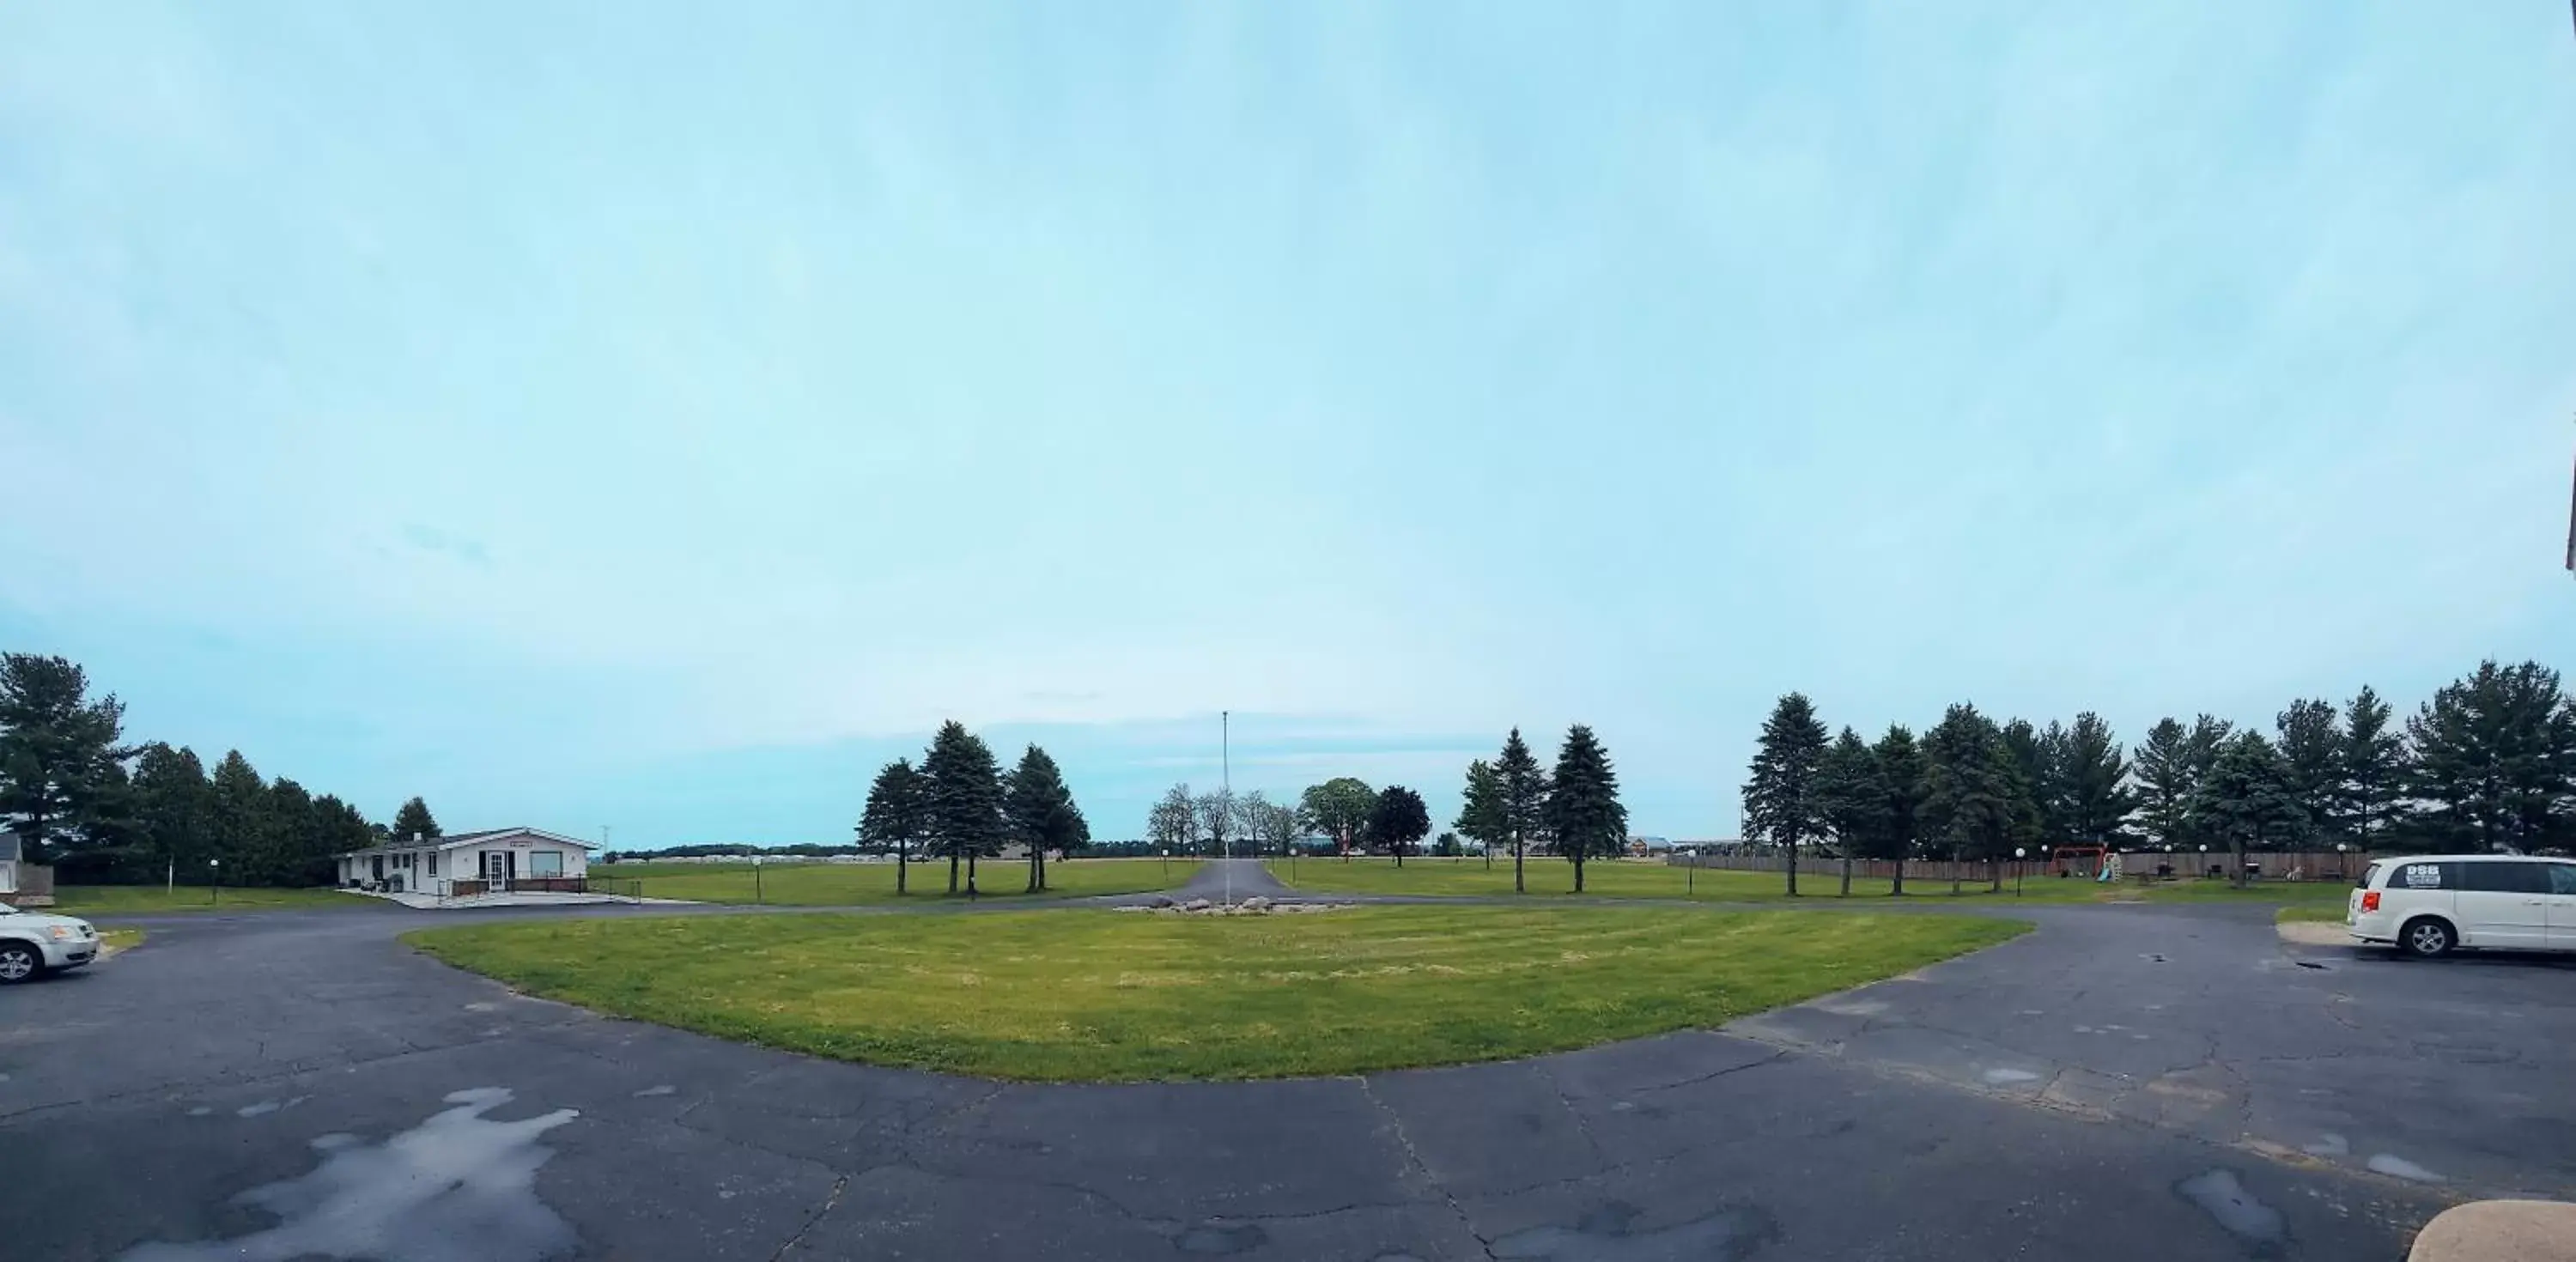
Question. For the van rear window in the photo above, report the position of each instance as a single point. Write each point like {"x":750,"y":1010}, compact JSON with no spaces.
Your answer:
{"x":2369,"y":876}
{"x":2424,"y":876}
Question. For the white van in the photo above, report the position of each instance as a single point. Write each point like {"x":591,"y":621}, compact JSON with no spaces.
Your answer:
{"x":2427,"y":904}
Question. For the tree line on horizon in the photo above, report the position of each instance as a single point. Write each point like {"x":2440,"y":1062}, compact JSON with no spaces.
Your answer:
{"x":960,"y":805}
{"x":1510,"y":801}
{"x":101,"y":811}
{"x":2488,"y":763}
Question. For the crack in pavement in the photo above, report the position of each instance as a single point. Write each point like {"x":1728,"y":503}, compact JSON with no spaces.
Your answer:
{"x":840,"y":1184}
{"x":1414,"y":1157}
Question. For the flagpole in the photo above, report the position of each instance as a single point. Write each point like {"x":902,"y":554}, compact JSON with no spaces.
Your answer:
{"x":1225,"y":786}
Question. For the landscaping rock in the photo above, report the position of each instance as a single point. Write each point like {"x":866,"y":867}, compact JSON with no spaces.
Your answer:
{"x":1196,"y":904}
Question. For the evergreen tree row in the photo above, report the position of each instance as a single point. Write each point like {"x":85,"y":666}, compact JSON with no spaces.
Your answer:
{"x":960,"y":805}
{"x":101,"y":811}
{"x":2489,"y":763}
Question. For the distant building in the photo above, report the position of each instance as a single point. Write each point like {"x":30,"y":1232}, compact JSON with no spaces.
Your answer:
{"x":500,"y":858}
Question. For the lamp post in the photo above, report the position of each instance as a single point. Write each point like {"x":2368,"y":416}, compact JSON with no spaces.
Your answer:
{"x":2343,"y":866}
{"x":2020,"y":868}
{"x":1167,"y":865}
{"x":215,"y":881}
{"x":2204,"y":861}
{"x":755,"y":881}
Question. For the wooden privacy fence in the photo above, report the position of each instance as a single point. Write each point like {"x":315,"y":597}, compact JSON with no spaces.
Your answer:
{"x":2308,"y":865}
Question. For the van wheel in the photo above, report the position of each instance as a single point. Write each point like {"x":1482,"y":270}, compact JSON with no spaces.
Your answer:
{"x":2424,"y":938}
{"x":19,"y":962}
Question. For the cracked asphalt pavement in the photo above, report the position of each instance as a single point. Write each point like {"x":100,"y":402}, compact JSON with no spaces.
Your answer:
{"x":2125,"y":1083}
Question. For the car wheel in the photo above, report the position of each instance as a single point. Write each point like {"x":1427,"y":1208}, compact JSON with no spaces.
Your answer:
{"x":19,"y":962}
{"x":2424,"y":938}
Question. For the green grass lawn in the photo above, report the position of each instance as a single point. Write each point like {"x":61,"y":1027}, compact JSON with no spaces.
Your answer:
{"x":858,"y":884}
{"x":1656,"y":879}
{"x":1105,"y":995}
{"x":138,"y":900}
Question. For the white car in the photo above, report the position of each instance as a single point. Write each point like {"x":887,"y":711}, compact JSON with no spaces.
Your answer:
{"x":32,"y":942}
{"x":2428,"y":904}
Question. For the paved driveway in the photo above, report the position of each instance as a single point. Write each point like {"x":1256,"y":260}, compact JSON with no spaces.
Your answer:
{"x":289,"y":1085}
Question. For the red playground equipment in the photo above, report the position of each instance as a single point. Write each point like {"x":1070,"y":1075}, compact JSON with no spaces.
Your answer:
{"x":2083,"y":861}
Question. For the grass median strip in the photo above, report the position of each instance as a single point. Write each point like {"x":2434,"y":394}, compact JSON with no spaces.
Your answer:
{"x":1123,"y":996}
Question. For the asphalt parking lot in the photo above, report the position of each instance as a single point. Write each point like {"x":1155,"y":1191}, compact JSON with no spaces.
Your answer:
{"x":2147,"y":1083}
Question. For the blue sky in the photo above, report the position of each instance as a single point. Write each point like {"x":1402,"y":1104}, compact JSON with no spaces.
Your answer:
{"x":658,"y":418}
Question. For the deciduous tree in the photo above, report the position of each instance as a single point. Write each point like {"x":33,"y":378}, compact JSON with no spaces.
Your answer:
{"x":1399,"y":819}
{"x":1174,"y":822}
{"x":1217,"y":810}
{"x":1338,"y":808}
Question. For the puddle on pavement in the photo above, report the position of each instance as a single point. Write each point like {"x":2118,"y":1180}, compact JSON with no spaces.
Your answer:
{"x":2397,"y":1167}
{"x":2220,"y":1195}
{"x":1606,"y":1235}
{"x":458,"y":1185}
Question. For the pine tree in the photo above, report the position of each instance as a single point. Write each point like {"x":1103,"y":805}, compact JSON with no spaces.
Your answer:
{"x":172,"y":800}
{"x":2245,"y":799}
{"x":1583,"y":810}
{"x":896,"y":816}
{"x":1399,"y":819}
{"x":2094,"y":800}
{"x":2311,"y":749}
{"x":61,"y":773}
{"x":2375,"y":772}
{"x":1974,"y":803}
{"x":1480,"y":811}
{"x":1900,"y":772}
{"x":237,"y":805}
{"x":2036,"y":774}
{"x":964,"y":800}
{"x":2495,"y":759}
{"x":2166,"y":782}
{"x":413,"y":822}
{"x":1042,"y":814}
{"x":1779,"y":798}
{"x":1852,"y":799}
{"x":1524,"y":800}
